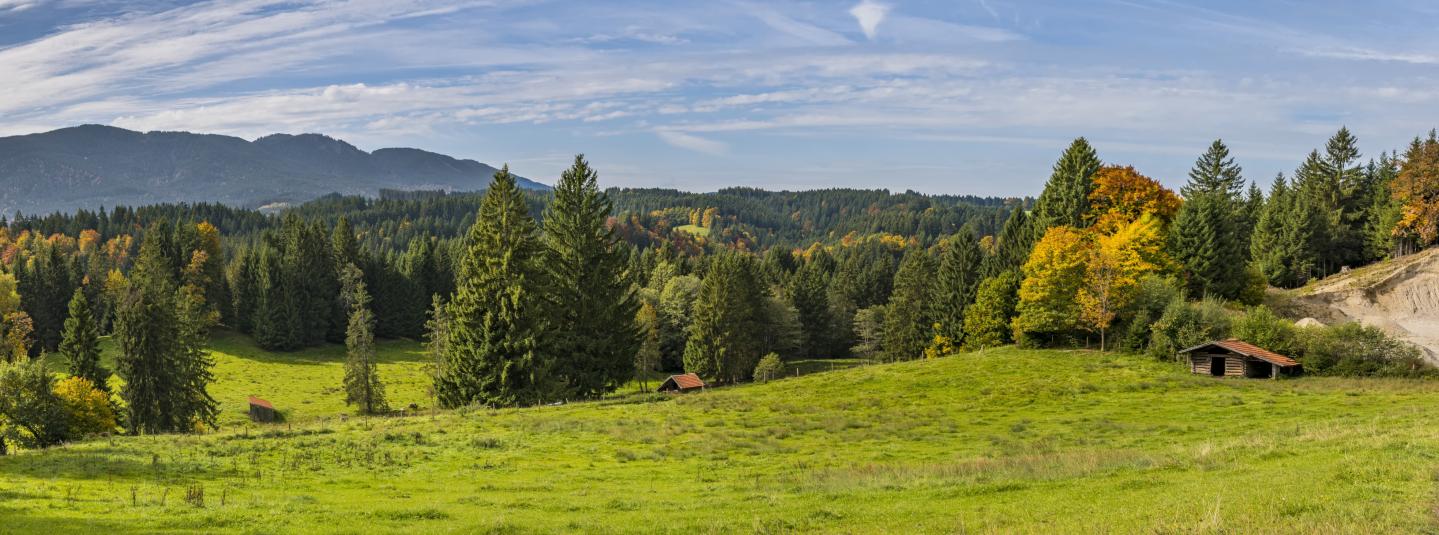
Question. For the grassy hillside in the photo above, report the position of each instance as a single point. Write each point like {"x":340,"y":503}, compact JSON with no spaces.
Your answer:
{"x":1006,"y":440}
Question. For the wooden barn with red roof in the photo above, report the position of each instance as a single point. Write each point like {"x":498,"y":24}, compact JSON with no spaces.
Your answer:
{"x":1237,"y":358}
{"x":682,"y":383}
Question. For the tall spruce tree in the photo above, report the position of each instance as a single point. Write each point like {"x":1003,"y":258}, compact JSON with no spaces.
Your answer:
{"x":728,"y":312}
{"x":1208,"y":237}
{"x":363,"y":388}
{"x":161,"y":345}
{"x":81,"y":342}
{"x":1203,"y":239}
{"x":907,"y":321}
{"x":1215,"y":173}
{"x":595,"y":336}
{"x":955,"y":286}
{"x":497,"y":352}
{"x":1065,"y":198}
{"x":1012,"y":247}
{"x":809,"y":292}
{"x":1283,"y":242}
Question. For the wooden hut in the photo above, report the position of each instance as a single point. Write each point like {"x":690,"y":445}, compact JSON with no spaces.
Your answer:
{"x":1237,"y":358}
{"x":261,"y":410}
{"x":682,"y":383}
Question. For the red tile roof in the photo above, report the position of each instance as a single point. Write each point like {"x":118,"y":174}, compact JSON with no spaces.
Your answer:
{"x":686,"y":381}
{"x":261,"y":403}
{"x":1247,"y":349}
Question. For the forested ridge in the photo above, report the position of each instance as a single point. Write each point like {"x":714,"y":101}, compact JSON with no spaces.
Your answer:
{"x":526,"y":297}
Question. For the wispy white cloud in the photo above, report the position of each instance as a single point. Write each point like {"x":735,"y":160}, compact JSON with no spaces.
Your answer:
{"x":869,"y":14}
{"x":1364,"y":54}
{"x":692,"y":142}
{"x":804,"y":31}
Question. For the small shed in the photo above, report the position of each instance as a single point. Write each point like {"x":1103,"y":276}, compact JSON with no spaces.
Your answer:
{"x":682,"y":383}
{"x":261,"y":410}
{"x":1237,"y":358}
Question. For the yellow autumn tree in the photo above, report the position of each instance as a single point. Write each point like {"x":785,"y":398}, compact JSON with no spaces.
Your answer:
{"x":1114,"y":265}
{"x":87,"y":409}
{"x":1052,"y":277}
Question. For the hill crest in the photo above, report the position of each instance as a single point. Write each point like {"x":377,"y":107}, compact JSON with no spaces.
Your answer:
{"x":91,"y":165}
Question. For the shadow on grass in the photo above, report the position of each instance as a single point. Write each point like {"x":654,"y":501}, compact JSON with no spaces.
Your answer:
{"x":93,"y":463}
{"x":243,"y":347}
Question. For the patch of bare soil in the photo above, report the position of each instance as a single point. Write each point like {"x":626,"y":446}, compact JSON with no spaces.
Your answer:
{"x":1400,"y":296}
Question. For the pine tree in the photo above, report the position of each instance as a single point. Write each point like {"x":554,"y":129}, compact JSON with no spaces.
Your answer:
{"x":1205,"y":241}
{"x":1215,"y":173}
{"x":907,"y":322}
{"x":1283,"y":242}
{"x":957,"y":281}
{"x":1065,"y":198}
{"x":595,"y":337}
{"x":496,"y":353}
{"x":728,"y":312}
{"x":362,"y":379}
{"x":192,"y":364}
{"x":1012,"y":247}
{"x":161,"y":333}
{"x":1209,"y":238}
{"x":81,"y":342}
{"x":809,"y":292}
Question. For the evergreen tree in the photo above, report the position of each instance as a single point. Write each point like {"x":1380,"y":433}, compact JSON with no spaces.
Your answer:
{"x":496,"y":353}
{"x":1215,"y":173}
{"x":728,"y":313}
{"x":276,"y":317}
{"x":160,"y":331}
{"x":1065,"y":198}
{"x":193,"y":403}
{"x":1012,"y":247}
{"x":907,"y":321}
{"x":809,"y":292}
{"x":362,"y":379}
{"x":81,"y":342}
{"x":595,"y":336}
{"x":1283,"y":242}
{"x":244,"y":283}
{"x":957,"y":281}
{"x":1205,"y":241}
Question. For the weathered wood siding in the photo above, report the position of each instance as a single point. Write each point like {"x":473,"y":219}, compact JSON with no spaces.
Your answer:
{"x":1199,"y":363}
{"x":1233,"y":366}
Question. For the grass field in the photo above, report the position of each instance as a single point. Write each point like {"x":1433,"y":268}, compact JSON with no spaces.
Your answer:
{"x":1000,"y":441}
{"x":695,"y":230}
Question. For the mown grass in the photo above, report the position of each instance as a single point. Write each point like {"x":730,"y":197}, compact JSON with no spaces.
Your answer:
{"x":695,"y":230}
{"x":1000,"y":441}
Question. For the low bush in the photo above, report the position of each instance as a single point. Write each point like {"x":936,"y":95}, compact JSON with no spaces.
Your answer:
{"x":1352,"y":349}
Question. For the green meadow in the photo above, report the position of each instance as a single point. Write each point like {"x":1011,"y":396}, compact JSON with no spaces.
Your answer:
{"x":1005,"y":440}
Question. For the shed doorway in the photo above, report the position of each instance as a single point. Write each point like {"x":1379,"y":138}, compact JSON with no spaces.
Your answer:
{"x":1258,"y":369}
{"x":1216,"y":366}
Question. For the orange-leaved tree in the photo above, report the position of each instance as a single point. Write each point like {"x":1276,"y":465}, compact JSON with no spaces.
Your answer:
{"x":1122,"y":195}
{"x":1417,"y":189}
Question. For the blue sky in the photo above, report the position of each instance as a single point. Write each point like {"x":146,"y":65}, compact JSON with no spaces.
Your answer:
{"x":961,"y":96}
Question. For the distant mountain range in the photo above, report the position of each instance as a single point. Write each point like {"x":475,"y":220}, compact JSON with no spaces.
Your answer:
{"x":90,"y":166}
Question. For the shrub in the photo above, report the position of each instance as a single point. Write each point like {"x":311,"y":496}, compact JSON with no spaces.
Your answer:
{"x":1187,"y":324}
{"x":87,"y":409}
{"x":986,"y":322}
{"x":1152,"y":296}
{"x":768,"y":368}
{"x":30,"y":413}
{"x":1262,"y":327}
{"x":1353,"y":349}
